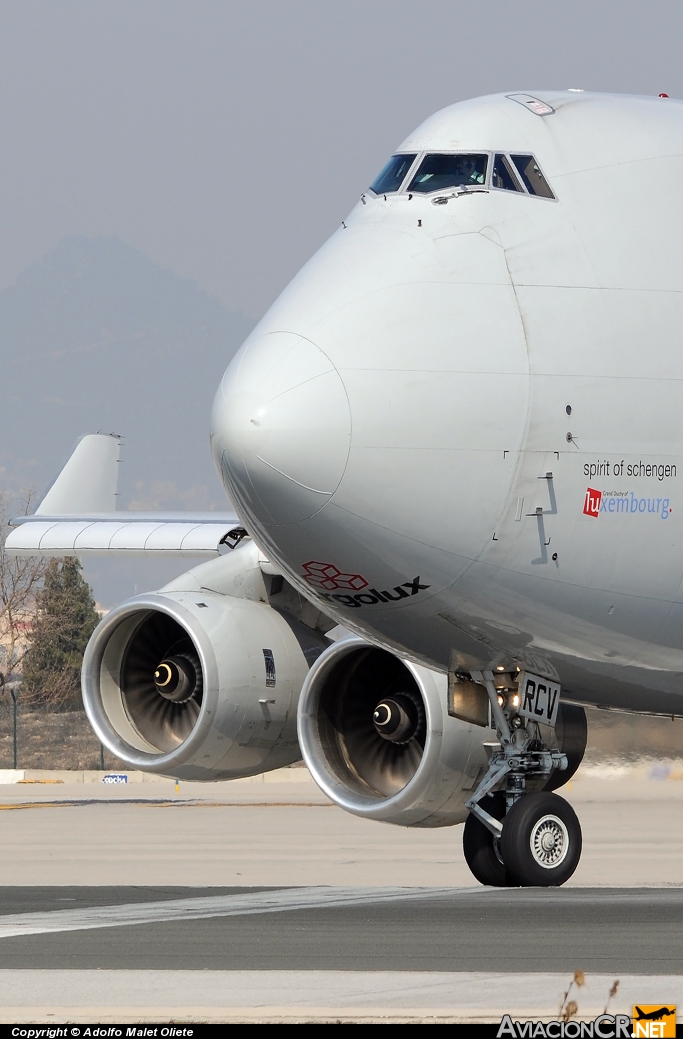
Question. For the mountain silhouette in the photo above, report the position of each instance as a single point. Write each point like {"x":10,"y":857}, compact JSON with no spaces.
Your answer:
{"x":95,"y":336}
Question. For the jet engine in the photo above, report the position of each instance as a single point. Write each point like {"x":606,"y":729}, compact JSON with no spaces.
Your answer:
{"x":377,"y":737}
{"x":201,"y":680}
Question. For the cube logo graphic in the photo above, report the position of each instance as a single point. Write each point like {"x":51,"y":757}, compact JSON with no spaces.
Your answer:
{"x":652,"y":1021}
{"x":331,"y":578}
{"x":592,"y":502}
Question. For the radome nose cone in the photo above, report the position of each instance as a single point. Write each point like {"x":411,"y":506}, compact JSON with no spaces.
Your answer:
{"x":282,"y":428}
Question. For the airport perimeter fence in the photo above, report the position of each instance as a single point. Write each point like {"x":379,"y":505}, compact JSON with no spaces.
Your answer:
{"x":34,"y":737}
{"x":38,"y":737}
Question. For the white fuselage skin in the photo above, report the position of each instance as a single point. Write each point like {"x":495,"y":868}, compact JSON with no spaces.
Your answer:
{"x":397,"y":412}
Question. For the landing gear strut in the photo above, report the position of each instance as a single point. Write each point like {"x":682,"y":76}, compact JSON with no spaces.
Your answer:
{"x":512,"y":837}
{"x":482,"y":848}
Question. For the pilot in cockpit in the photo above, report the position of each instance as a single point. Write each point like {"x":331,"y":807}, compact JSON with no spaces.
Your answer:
{"x":468,"y":170}
{"x":440,"y":171}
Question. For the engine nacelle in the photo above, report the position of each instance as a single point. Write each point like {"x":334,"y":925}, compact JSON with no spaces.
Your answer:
{"x":377,"y":737}
{"x":352,"y":692}
{"x":193,"y":683}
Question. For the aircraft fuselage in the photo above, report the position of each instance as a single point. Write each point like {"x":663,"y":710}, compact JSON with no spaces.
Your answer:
{"x":460,"y":428}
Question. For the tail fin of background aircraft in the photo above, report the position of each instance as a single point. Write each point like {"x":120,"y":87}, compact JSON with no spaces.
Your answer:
{"x":87,"y":484}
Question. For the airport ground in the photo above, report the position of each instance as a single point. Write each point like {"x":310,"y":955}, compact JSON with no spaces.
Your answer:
{"x":261,"y":901}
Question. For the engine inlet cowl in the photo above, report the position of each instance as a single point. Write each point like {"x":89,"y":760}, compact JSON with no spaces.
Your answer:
{"x":376,"y":736}
{"x":197,"y":686}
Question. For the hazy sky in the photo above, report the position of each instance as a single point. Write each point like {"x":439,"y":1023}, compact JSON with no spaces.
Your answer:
{"x":226,"y":140}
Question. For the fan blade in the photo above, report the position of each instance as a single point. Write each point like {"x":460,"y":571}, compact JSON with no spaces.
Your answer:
{"x":161,"y":721}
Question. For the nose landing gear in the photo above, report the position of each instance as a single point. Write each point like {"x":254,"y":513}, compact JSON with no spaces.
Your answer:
{"x":511,"y":837}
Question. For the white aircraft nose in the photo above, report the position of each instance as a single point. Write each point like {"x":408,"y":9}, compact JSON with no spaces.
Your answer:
{"x":281,"y":428}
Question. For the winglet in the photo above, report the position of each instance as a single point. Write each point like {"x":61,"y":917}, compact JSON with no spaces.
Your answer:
{"x":87,"y":483}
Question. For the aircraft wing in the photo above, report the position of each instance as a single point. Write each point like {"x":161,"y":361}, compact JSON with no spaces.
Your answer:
{"x":78,"y":516}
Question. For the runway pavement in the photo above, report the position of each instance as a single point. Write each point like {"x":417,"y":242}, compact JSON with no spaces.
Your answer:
{"x":341,"y":929}
{"x":265,"y":902}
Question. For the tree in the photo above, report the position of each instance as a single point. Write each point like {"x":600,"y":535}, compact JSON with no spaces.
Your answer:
{"x":66,"y":618}
{"x":21,"y":578}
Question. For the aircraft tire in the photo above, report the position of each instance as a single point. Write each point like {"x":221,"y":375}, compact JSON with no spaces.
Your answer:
{"x":541,"y":841}
{"x":479,"y":847}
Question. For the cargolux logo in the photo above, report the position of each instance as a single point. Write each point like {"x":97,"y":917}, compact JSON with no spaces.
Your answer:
{"x":331,"y":578}
{"x":327,"y":578}
{"x":591,"y":503}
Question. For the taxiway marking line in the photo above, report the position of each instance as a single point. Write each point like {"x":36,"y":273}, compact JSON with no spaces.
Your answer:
{"x":274,"y":901}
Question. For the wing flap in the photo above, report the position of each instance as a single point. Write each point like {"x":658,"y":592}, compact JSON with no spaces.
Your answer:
{"x":169,"y":536}
{"x":130,"y":537}
{"x":26,"y":539}
{"x":199,"y":534}
{"x":96,"y":537}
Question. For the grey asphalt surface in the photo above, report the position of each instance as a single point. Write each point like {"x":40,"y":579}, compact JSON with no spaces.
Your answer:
{"x":599,"y":930}
{"x":281,"y":907}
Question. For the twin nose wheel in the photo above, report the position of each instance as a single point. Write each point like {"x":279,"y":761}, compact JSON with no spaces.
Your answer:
{"x":540,"y":845}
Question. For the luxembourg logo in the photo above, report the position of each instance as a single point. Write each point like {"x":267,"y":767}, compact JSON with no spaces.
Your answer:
{"x":596,"y":503}
{"x":592,"y":502}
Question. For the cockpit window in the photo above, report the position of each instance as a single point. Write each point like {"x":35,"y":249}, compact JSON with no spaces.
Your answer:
{"x":502,"y":175}
{"x":393,"y":174}
{"x":533,"y":179}
{"x":438,"y":172}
